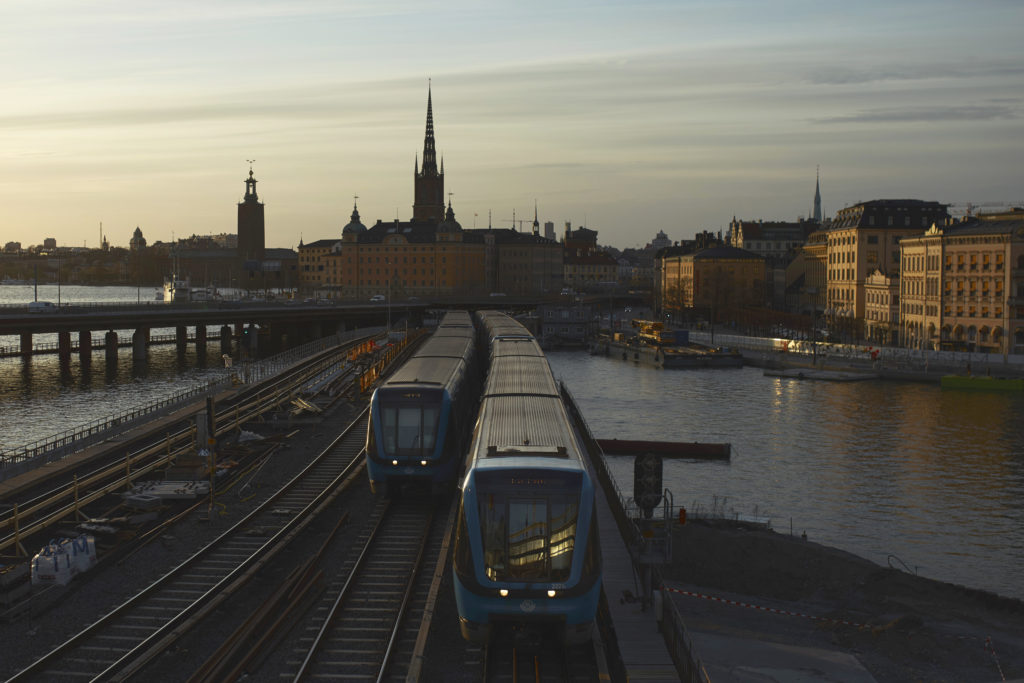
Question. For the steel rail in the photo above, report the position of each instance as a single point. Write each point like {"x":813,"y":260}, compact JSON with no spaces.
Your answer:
{"x":406,"y":597}
{"x":308,"y":473}
{"x":329,"y":621}
{"x":393,"y":551}
{"x":264,"y":399}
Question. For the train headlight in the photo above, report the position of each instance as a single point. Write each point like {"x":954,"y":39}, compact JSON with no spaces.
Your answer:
{"x":551,"y":594}
{"x":423,"y":462}
{"x":394,"y":462}
{"x":503,"y":592}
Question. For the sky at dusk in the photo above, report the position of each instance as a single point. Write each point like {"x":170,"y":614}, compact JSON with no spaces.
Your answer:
{"x":629,"y":117}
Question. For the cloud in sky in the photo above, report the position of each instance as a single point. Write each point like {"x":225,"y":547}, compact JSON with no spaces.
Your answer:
{"x":641,"y":117}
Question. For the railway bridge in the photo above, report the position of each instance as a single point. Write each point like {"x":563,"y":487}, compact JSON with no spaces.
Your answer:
{"x":276,"y":326}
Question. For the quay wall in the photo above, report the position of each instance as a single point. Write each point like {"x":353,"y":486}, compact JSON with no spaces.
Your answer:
{"x":887,"y":362}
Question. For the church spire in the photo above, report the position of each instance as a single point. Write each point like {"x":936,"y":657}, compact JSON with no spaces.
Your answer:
{"x":817,"y":195}
{"x":429,"y":154}
{"x":429,"y":183}
{"x":536,"y":223}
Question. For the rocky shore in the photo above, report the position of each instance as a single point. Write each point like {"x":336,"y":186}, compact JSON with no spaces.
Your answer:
{"x":901,"y":627}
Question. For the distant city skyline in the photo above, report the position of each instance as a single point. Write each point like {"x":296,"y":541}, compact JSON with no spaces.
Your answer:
{"x":630,"y":118}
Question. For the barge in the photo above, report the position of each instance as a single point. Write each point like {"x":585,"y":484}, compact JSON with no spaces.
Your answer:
{"x":669,"y":349}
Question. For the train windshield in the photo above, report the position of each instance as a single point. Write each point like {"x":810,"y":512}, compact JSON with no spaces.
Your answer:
{"x":409,"y":422}
{"x":528,"y":521}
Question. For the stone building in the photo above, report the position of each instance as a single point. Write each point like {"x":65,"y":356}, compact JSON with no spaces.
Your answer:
{"x":710,"y":280}
{"x":585,"y":266}
{"x":864,"y":238}
{"x":881,"y":308}
{"x":962,"y":284}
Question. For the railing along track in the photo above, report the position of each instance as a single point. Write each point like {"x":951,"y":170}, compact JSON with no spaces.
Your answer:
{"x":120,"y":643}
{"x":359,"y":631}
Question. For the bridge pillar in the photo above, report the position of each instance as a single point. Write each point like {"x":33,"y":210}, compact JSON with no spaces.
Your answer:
{"x":111,"y":342}
{"x":140,"y":340}
{"x":201,"y":340}
{"x":251,"y":336}
{"x":84,"y":346}
{"x":201,"y":345}
{"x":225,"y":339}
{"x":64,"y":346}
{"x":181,"y":339}
{"x":277,"y":338}
{"x":26,"y":344}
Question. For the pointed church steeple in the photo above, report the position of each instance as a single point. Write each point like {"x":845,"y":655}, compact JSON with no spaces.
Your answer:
{"x":429,"y":153}
{"x":536,"y":223}
{"x":817,"y":195}
{"x":428,"y":181}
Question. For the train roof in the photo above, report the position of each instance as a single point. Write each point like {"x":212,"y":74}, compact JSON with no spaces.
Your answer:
{"x":457,"y":317}
{"x":498,"y":324}
{"x":441,"y":346}
{"x":433,"y":370}
{"x":516,"y":346}
{"x":528,"y":375}
{"x":525,"y":431}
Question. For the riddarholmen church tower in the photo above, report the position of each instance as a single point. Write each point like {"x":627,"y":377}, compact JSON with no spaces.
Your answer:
{"x":429,"y":182}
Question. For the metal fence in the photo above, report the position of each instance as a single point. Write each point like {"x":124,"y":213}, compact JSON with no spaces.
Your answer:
{"x":17,"y":459}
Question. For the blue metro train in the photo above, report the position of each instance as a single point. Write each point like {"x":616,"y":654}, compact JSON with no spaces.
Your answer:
{"x":526,"y":545}
{"x":421,"y":417}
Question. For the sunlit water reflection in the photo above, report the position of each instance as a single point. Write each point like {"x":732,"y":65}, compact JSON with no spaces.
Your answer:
{"x":934,"y":477}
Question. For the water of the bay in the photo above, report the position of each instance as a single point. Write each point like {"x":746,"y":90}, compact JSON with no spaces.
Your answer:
{"x":930,"y":476}
{"x":39,"y":397}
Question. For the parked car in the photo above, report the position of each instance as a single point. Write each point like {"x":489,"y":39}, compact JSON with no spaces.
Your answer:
{"x":41,"y":307}
{"x":377,"y":299}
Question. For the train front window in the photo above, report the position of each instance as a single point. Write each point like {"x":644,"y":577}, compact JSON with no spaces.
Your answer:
{"x":529,"y":531}
{"x":409,"y":429}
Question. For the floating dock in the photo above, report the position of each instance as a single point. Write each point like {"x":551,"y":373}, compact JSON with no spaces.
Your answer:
{"x":824,"y":375}
{"x":667,"y":449}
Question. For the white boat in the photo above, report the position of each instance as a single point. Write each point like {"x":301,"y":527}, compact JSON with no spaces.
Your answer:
{"x":176,"y":290}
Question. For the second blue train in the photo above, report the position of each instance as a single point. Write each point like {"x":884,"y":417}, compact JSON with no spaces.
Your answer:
{"x":421,"y":416}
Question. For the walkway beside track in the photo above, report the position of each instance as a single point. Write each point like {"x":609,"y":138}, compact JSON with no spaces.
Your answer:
{"x":640,"y":642}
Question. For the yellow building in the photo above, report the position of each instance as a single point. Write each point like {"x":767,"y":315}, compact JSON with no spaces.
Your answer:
{"x":401,"y":259}
{"x":585,"y":266}
{"x":711,"y":280}
{"x":964,"y":286}
{"x":864,"y":238}
{"x":313,"y":268}
{"x":881,"y":308}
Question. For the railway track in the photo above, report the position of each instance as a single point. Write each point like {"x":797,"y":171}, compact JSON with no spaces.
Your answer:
{"x":115,"y":471}
{"x":121,"y":643}
{"x":509,"y":658}
{"x":364,"y":623}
